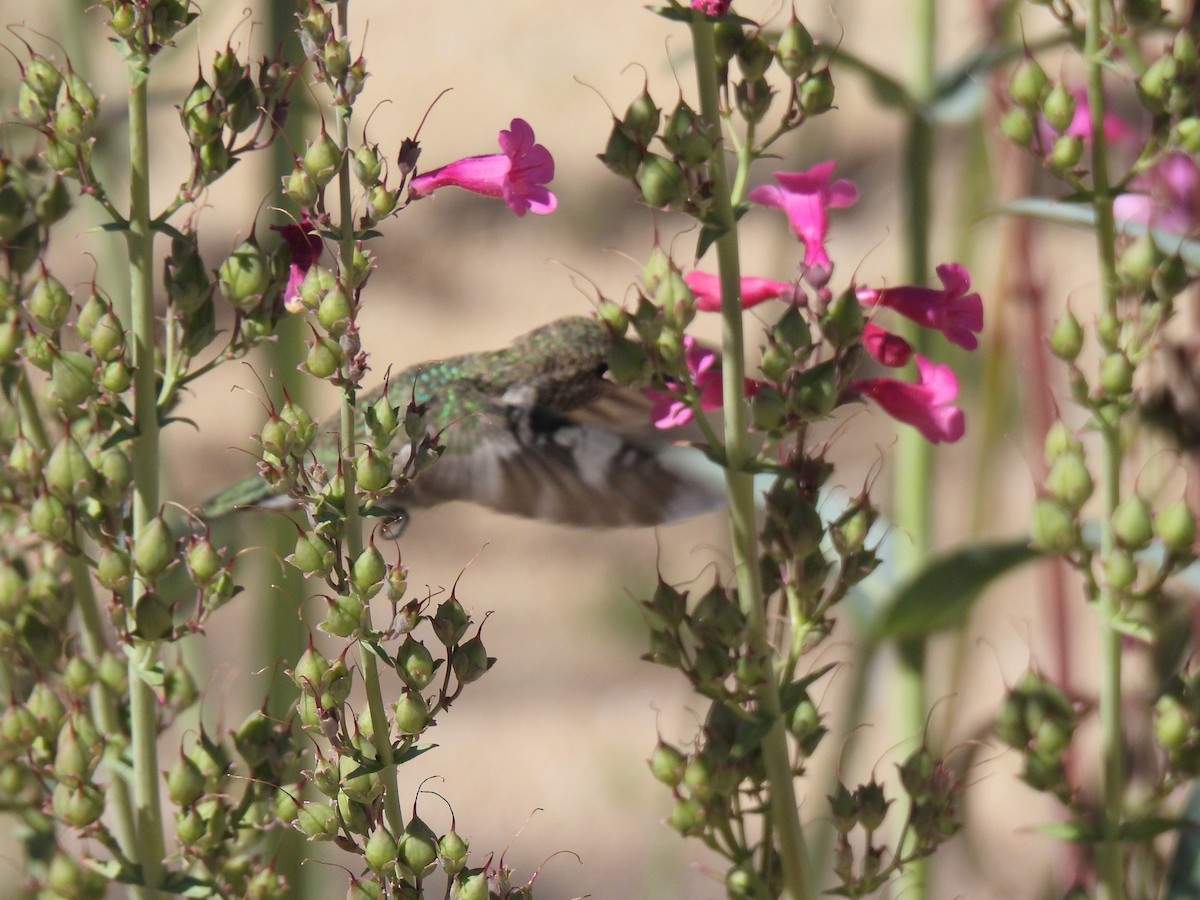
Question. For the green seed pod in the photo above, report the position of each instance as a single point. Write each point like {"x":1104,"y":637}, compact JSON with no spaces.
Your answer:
{"x":334,"y":311}
{"x":452,"y":852}
{"x":1187,"y":134}
{"x":470,"y":884}
{"x":244,"y":276}
{"x":641,"y":119}
{"x":796,"y":49}
{"x":667,"y":764}
{"x":1061,"y":440}
{"x":418,"y":847}
{"x":622,"y":154}
{"x":1176,"y":527}
{"x":1139,"y":261}
{"x":1131,"y":522}
{"x":1116,"y":374}
{"x":368,"y":165}
{"x":78,"y":805}
{"x":322,"y":159}
{"x":368,"y":571}
{"x":688,"y":817}
{"x":1066,"y":152}
{"x":843,"y":321}
{"x":43,"y":78}
{"x":154,"y":548}
{"x":754,"y":58}
{"x":381,"y":202}
{"x":816,"y":93}
{"x":373,"y":470}
{"x":153,"y":617}
{"x":49,"y":303}
{"x":323,"y":359}
{"x":1059,"y":108}
{"x":357,"y":783}
{"x":1066,"y":339}
{"x":116,"y":377}
{"x":662,"y":182}
{"x":1028,"y":84}
{"x":380,"y":852}
{"x":1156,"y":83}
{"x":73,"y":375}
{"x":1120,"y":570}
{"x":1070,"y":481}
{"x":410,"y":713}
{"x":53,"y":202}
{"x":203,"y":561}
{"x":317,"y":821}
{"x":93,"y":309}
{"x":12,"y":338}
{"x":1172,"y":723}
{"x":1053,"y":527}
{"x":113,"y":569}
{"x":201,"y":118}
{"x":74,"y":758}
{"x":1018,"y":126}
{"x":344,"y":616}
{"x":301,"y":188}
{"x":108,"y":339}
{"x":450,"y":622}
{"x":49,"y":519}
{"x":185,"y":783}
{"x":415,"y":664}
{"x":470,"y":661}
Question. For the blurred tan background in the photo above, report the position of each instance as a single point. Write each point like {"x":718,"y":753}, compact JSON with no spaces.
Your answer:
{"x":546,"y":753}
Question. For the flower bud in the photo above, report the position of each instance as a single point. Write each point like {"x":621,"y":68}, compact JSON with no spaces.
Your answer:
{"x":1120,"y":570}
{"x":1116,"y":374}
{"x":1066,"y":152}
{"x":1172,"y":722}
{"x":1070,"y":481}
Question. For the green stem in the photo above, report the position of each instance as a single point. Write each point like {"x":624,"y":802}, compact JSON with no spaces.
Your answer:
{"x":784,"y":813}
{"x":1110,"y":858}
{"x":381,"y":734}
{"x":914,"y":455}
{"x":149,"y":850}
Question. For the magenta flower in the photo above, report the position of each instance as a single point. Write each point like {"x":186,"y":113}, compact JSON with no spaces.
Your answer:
{"x":714,"y":9}
{"x":925,"y":405}
{"x":668,"y":410}
{"x":519,"y":174}
{"x":707,"y":288}
{"x":305,"y":246}
{"x":806,"y":197}
{"x":889,"y":349}
{"x":951,"y":310}
{"x":1165,"y":196}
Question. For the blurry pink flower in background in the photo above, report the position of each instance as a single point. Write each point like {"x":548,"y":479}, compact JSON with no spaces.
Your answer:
{"x":305,"y":247}
{"x":714,"y":9}
{"x":806,"y":197}
{"x":925,"y":405}
{"x":707,"y":288}
{"x":519,"y":174}
{"x":1166,"y":196}
{"x":951,"y":310}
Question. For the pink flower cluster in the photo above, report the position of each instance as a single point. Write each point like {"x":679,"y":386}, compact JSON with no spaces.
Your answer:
{"x":927,"y":405}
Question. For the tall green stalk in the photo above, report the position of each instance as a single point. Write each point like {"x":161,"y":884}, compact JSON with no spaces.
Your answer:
{"x":381,"y":731}
{"x":914,"y":455}
{"x":1109,"y":853}
{"x":149,"y":850}
{"x":784,"y":812}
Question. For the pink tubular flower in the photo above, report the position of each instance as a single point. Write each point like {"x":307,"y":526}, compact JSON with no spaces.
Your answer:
{"x":806,"y":197}
{"x":888,"y":349}
{"x":925,"y":405}
{"x":714,"y":9}
{"x":1165,"y":196}
{"x":952,"y":311}
{"x":519,"y":174}
{"x":707,"y":288}
{"x":305,"y":246}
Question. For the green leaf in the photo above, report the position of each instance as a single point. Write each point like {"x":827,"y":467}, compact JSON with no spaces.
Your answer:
{"x":887,"y":90}
{"x":1134,"y":832}
{"x":941,"y":595}
{"x":1081,"y":215}
{"x":1183,"y":874}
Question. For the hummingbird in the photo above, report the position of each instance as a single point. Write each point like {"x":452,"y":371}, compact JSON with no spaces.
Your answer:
{"x":535,"y":430}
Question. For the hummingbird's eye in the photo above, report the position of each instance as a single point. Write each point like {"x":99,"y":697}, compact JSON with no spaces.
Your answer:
{"x":601,"y":369}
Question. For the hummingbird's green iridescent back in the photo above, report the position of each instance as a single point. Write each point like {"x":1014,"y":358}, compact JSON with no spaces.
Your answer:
{"x":533,"y":429}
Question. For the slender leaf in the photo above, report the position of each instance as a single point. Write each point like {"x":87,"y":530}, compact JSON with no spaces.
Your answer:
{"x":941,"y":595}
